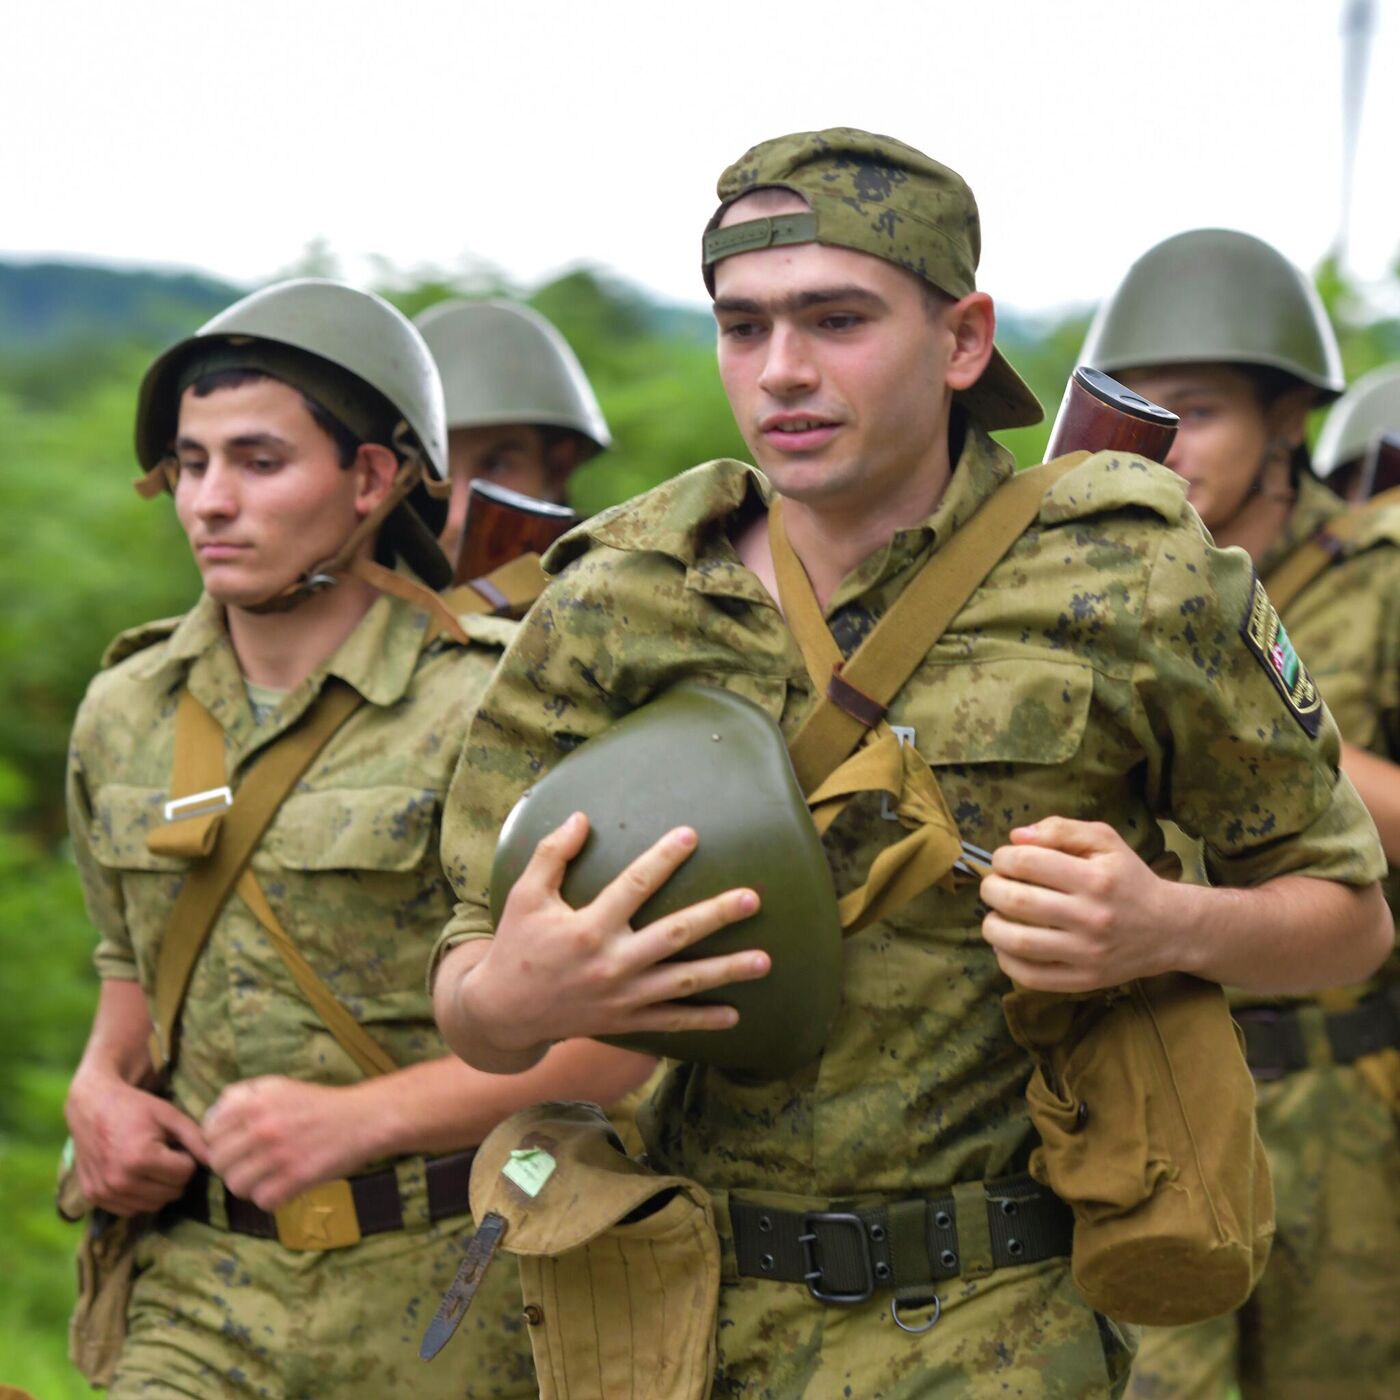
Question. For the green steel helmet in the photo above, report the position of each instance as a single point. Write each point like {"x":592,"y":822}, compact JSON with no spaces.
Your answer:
{"x":1220,"y":297}
{"x":354,"y":354}
{"x":705,"y":758}
{"x":1368,"y":411}
{"x":504,"y":363}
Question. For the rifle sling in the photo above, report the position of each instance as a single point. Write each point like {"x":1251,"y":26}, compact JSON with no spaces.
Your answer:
{"x":849,"y":714}
{"x":506,"y":591}
{"x":225,"y":840}
{"x":1316,"y":555}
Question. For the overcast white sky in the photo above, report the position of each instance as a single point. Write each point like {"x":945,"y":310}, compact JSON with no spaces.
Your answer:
{"x":536,"y":134}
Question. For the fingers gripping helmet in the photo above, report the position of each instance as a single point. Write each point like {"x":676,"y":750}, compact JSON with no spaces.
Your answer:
{"x":504,"y":363}
{"x":1221,"y":297}
{"x":362,"y":361}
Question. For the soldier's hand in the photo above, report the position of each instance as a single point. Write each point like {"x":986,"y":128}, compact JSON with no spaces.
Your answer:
{"x":1074,"y":908}
{"x":553,"y":972}
{"x":272,"y":1137}
{"x":134,"y":1151}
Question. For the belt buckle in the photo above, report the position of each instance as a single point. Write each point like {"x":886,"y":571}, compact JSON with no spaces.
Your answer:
{"x":322,"y":1218}
{"x":813,"y":1272}
{"x":199,"y":804}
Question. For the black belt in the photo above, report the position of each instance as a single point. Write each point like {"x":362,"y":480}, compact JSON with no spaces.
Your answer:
{"x":1274,"y":1043}
{"x":843,"y":1256}
{"x":378,"y":1207}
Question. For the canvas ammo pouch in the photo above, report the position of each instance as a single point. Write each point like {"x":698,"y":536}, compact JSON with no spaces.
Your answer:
{"x":106,"y":1270}
{"x":1145,"y":1109}
{"x":619,"y":1266}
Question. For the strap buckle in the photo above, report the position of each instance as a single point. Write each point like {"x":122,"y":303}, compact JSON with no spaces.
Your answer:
{"x":199,"y":804}
{"x":905,"y":734}
{"x":813,"y":1273}
{"x":323,"y":1217}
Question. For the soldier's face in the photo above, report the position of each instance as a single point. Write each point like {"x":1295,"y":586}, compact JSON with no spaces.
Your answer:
{"x":513,"y":455}
{"x":835,"y":366}
{"x":1225,"y":435}
{"x":261,"y":492}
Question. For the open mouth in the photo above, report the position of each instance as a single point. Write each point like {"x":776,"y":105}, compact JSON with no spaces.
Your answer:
{"x":799,"y":433}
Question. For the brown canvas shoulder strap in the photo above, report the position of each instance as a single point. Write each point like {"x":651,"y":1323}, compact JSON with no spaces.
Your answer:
{"x":850,"y":714}
{"x":507,"y":591}
{"x":1316,"y":555}
{"x":857,"y":692}
{"x":221,"y":842}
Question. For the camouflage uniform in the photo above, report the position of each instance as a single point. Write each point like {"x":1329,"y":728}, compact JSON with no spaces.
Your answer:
{"x":1324,"y":1319}
{"x":1099,"y":668}
{"x":350,"y":864}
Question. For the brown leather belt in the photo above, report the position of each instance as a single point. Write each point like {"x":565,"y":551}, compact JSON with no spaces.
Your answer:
{"x":1275,"y":1044}
{"x":335,"y":1213}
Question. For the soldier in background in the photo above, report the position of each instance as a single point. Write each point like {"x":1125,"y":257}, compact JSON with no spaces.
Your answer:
{"x":1358,"y":450}
{"x":308,"y":1177}
{"x":1065,"y":707}
{"x":1222,"y":330}
{"x":520,"y":410}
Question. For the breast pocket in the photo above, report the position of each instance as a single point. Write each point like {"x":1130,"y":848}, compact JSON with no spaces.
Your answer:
{"x":1005,"y":738}
{"x":354,"y":873}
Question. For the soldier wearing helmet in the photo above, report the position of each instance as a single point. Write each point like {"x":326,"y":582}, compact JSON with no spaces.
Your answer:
{"x":263,"y":1086}
{"x":520,"y":410}
{"x":1358,"y":450}
{"x":1220,"y":328}
{"x":880,"y":1234}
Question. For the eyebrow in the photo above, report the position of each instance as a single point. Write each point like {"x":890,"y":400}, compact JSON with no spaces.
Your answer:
{"x":245,"y":440}
{"x":800,"y":301}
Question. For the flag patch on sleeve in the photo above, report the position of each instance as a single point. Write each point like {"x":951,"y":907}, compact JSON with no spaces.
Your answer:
{"x":1267,"y":637}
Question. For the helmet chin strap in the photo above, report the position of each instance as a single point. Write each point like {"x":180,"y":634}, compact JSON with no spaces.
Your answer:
{"x":1261,"y":489}
{"x":348,"y":560}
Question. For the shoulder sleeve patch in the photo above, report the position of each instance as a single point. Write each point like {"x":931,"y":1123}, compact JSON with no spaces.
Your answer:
{"x":135,"y":639}
{"x":1266,"y":636}
{"x":1110,"y":481}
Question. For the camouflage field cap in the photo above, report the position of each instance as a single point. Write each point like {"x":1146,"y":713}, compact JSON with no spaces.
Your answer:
{"x":874,"y":195}
{"x":505,"y":363}
{"x":1368,"y":411}
{"x":1217,"y":296}
{"x":358,"y":357}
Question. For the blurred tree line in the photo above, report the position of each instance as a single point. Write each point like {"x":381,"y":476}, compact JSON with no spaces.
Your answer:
{"x":81,"y":557}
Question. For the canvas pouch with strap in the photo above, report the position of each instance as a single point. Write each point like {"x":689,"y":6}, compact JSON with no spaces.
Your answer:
{"x":1141,"y":1094}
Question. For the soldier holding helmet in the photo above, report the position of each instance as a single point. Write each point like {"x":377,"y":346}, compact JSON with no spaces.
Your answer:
{"x":1062,"y":710}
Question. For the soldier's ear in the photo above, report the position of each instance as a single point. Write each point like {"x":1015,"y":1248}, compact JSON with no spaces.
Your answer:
{"x":374,"y":468}
{"x":1287,"y":416}
{"x":972,"y":323}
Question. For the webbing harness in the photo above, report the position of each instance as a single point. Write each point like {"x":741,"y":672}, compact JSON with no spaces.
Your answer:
{"x":845,"y":746}
{"x":218,"y":830}
{"x":1316,"y":555}
{"x":220,"y":838}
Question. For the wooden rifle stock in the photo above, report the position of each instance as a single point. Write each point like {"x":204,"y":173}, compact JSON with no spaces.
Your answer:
{"x":1098,"y":414}
{"x":501,"y":525}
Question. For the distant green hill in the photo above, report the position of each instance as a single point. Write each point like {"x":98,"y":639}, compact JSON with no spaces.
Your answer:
{"x":48,"y":305}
